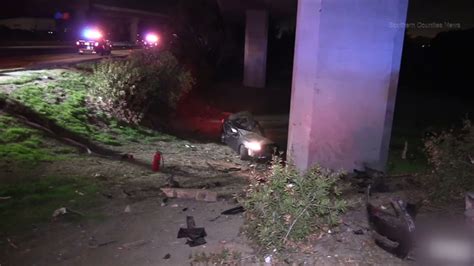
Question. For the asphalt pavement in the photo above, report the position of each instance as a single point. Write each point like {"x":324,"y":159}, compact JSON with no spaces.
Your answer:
{"x":35,"y":57}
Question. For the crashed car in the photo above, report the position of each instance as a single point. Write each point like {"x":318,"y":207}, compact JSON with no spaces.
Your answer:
{"x":244,"y":134}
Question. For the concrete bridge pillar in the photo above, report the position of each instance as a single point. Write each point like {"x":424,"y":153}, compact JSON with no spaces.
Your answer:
{"x":345,"y":78}
{"x":133,"y":29}
{"x":256,"y":39}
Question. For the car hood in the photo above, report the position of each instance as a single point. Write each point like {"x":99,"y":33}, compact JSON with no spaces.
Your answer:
{"x":252,"y":136}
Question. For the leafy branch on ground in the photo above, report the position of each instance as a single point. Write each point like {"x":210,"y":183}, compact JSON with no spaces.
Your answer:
{"x":128,"y":88}
{"x":291,"y":206}
{"x":451,"y":156}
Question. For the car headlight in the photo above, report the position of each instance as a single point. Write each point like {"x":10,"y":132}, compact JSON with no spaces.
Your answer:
{"x":252,"y":145}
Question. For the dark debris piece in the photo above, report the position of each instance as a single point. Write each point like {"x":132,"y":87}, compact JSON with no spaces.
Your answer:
{"x":393,"y":233}
{"x":167,"y":256}
{"x":195,"y":235}
{"x":233,"y":211}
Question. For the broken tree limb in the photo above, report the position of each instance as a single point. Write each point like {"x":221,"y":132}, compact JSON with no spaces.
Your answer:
{"x":189,"y":193}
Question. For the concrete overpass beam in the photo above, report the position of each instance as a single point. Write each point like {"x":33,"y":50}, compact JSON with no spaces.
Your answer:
{"x":256,"y":39}
{"x":133,"y":29}
{"x":345,"y":78}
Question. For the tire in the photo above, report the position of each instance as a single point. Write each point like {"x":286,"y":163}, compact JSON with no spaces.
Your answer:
{"x":244,"y":153}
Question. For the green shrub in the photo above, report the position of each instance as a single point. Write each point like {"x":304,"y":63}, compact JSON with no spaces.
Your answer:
{"x":290,"y":206}
{"x":451,"y":156}
{"x":128,"y":88}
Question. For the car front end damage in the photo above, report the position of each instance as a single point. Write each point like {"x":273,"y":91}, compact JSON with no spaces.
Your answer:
{"x":244,"y":134}
{"x":258,"y":147}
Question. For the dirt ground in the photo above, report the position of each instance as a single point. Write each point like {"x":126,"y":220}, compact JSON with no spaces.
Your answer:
{"x":146,"y":232}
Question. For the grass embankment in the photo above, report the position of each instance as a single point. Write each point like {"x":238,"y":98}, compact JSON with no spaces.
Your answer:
{"x":61,"y":96}
{"x":64,"y":99}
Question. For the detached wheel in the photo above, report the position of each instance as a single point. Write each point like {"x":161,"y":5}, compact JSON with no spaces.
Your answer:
{"x":244,"y":153}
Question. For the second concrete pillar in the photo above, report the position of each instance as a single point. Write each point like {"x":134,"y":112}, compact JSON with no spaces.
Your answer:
{"x":256,"y":39}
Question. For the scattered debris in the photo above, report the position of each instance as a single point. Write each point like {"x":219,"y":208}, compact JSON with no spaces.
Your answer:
{"x":128,"y":209}
{"x":167,"y":256}
{"x":184,"y":209}
{"x":5,"y":198}
{"x":268,"y":259}
{"x":372,"y":177}
{"x":107,"y":195}
{"x":94,"y":244}
{"x":212,"y":185}
{"x":392,"y":232}
{"x":233,"y":211}
{"x":79,"y":193}
{"x":359,"y":232}
{"x":171,"y":182}
{"x":134,"y":244}
{"x":99,"y":176}
{"x":232,"y":169}
{"x":127,"y":193}
{"x":63,"y":211}
{"x":47,"y":77}
{"x":60,"y":211}
{"x":164,"y":201}
{"x":12,"y":244}
{"x":195,"y":235}
{"x":224,"y":170}
{"x":192,"y":147}
{"x":175,"y":205}
{"x":127,"y":157}
{"x":188,"y":193}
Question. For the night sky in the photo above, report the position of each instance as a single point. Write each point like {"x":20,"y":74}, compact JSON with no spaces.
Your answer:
{"x":425,"y":18}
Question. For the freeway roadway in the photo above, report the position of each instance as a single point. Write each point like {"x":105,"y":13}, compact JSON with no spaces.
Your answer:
{"x":33,"y":57}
